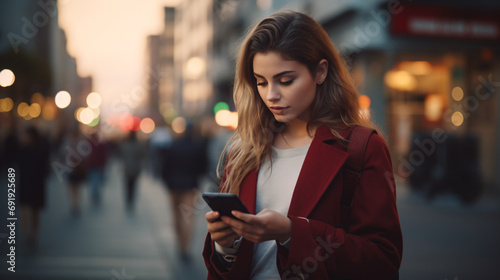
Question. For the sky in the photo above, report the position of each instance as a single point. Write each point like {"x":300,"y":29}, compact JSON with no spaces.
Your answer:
{"x":108,"y":39}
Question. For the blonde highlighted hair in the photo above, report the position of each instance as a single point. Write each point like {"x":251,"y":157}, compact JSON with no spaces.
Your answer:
{"x":297,"y":37}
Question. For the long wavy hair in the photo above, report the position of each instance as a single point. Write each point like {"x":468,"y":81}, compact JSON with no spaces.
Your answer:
{"x":297,"y":37}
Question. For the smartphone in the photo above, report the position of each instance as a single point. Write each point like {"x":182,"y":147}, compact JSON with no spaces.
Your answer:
{"x":224,"y":203}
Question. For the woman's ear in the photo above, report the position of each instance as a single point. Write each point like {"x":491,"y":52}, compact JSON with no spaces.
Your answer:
{"x":321,"y":71}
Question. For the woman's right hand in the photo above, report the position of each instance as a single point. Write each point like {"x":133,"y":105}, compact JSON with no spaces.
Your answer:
{"x":220,"y":232}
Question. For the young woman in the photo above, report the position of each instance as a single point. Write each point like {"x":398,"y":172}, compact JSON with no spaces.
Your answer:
{"x":297,"y":107}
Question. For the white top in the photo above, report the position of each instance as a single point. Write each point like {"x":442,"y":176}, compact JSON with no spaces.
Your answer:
{"x":275,"y":187}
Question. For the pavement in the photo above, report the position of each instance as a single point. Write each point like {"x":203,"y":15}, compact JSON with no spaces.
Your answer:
{"x":107,"y":242}
{"x":443,"y":240}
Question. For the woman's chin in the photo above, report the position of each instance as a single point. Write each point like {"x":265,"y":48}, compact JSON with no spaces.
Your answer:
{"x":281,"y":118}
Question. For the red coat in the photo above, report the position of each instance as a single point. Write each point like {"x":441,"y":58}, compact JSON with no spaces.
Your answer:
{"x":319,"y":248}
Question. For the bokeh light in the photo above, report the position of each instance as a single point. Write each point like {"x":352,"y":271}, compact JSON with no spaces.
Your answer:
{"x":96,"y":111}
{"x":7,"y":78}
{"x":364,"y":101}
{"x":457,"y":119}
{"x":63,"y":99}
{"x":179,"y":125}
{"x":23,"y":109}
{"x":86,"y":116}
{"x":126,"y":122}
{"x":147,"y":125}
{"x":94,"y":122}
{"x":35,"y":110}
{"x":195,"y":66}
{"x":77,"y":113}
{"x":433,"y":107}
{"x":457,"y":93}
{"x":49,"y":109}
{"x":220,"y":106}
{"x":227,"y":118}
{"x":6,"y":104}
{"x":94,"y":100}
{"x":37,"y":98}
{"x":400,"y":80}
{"x":136,"y":123}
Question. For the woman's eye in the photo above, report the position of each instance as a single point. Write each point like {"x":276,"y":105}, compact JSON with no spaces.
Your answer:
{"x":286,"y":83}
{"x":261,"y":84}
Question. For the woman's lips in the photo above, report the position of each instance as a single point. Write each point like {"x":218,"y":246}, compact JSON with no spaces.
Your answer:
{"x":278,"y":110}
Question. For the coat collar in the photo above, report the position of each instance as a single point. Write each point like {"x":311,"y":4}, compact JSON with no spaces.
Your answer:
{"x":323,"y":161}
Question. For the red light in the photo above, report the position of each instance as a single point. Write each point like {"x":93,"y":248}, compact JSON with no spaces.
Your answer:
{"x":126,"y":122}
{"x":136,"y":124}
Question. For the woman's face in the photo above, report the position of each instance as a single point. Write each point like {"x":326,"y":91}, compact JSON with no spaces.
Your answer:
{"x":286,"y":86}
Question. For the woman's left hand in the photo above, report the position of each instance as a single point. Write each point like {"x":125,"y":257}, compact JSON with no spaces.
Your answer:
{"x":266,"y":225}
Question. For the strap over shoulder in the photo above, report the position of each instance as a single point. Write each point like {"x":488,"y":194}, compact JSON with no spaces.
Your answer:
{"x":353,"y":167}
{"x":356,"y":147}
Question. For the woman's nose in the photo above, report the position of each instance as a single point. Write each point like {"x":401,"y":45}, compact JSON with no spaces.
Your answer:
{"x":273,"y":94}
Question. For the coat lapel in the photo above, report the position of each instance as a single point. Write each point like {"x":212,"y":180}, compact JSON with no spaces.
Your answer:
{"x":322,"y":163}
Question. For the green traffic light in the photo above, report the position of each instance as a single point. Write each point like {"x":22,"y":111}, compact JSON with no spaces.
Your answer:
{"x":220,"y":106}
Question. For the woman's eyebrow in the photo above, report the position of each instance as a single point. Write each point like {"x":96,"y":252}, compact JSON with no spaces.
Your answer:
{"x":275,"y":76}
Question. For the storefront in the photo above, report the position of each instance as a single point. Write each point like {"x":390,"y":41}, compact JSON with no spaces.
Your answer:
{"x":433,"y":76}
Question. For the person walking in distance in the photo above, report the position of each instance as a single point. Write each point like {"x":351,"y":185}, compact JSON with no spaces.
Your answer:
{"x":185,"y":161}
{"x":133,"y":153}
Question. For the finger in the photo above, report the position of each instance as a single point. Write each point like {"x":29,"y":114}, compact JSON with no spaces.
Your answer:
{"x":217,"y":226}
{"x":222,"y":235}
{"x":241,"y":228}
{"x":233,"y":223}
{"x":212,"y":216}
{"x":247,"y":218}
{"x":228,"y":241}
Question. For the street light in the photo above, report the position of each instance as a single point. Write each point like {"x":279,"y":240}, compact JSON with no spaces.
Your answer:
{"x":195,"y":66}
{"x":147,"y":125}
{"x":63,"y":99}
{"x":7,"y":78}
{"x":94,"y":100}
{"x":86,"y":116}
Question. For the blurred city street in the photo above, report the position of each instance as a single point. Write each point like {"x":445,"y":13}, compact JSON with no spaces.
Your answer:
{"x":443,"y":239}
{"x":107,"y":242}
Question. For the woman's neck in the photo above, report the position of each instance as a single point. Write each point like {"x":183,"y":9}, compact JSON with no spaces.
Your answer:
{"x":295,"y":134}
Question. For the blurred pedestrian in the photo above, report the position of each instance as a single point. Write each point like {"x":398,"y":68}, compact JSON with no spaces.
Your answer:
{"x":78,"y":171}
{"x":133,"y":154}
{"x":96,"y":165}
{"x":33,"y":170}
{"x":314,"y":174}
{"x":216,"y":152}
{"x":9,"y":146}
{"x":158,"y":143}
{"x":185,"y":161}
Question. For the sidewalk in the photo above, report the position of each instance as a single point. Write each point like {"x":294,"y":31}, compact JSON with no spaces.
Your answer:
{"x":105,"y":242}
{"x":444,"y":240}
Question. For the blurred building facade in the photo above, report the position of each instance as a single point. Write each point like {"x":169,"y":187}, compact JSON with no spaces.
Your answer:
{"x":153,"y":64}
{"x":34,"y":47}
{"x":192,"y":57}
{"x":160,"y":70}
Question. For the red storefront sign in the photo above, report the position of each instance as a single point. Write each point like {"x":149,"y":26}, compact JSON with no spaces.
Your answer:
{"x":439,"y":21}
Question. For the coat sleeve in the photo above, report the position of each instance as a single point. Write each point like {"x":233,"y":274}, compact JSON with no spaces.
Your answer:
{"x":240,"y":268}
{"x":373,"y":247}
